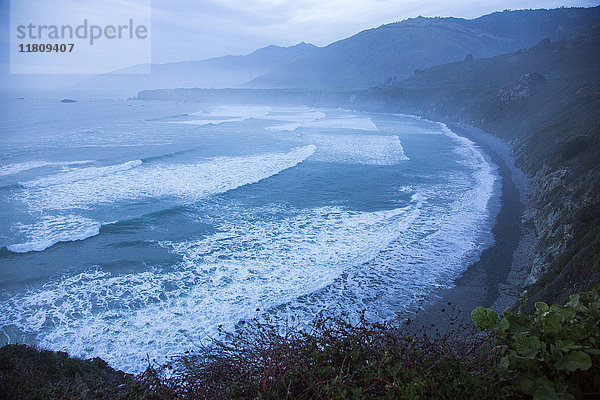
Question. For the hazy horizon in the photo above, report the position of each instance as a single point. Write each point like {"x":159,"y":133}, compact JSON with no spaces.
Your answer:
{"x":233,"y":29}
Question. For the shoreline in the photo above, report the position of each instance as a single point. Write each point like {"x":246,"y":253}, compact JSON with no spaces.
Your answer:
{"x":497,"y":278}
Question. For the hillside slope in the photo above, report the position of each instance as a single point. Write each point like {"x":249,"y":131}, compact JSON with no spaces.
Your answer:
{"x":544,"y":101}
{"x":220,"y":72}
{"x":395,"y":50}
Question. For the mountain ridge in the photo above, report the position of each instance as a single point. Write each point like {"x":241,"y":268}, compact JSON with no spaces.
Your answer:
{"x":389,"y":52}
{"x":218,"y":72}
{"x":397,"y":49}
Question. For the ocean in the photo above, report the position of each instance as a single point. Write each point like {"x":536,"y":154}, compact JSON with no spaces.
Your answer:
{"x":136,"y":229}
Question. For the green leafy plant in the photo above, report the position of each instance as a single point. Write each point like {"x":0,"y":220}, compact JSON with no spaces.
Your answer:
{"x":553,"y":353}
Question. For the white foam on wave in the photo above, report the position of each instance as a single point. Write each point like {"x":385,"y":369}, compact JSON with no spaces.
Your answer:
{"x":236,"y":111}
{"x":81,"y":174}
{"x":135,"y":180}
{"x":226,"y":114}
{"x":346,"y":122}
{"x":54,"y":229}
{"x":85,"y":188}
{"x":327,"y":257}
{"x":201,"y":122}
{"x":252,"y":262}
{"x":16,"y":168}
{"x":408,"y":116}
{"x":452,"y":229}
{"x":298,"y":116}
{"x":416,"y":125}
{"x":358,"y":149}
{"x":483,"y":174}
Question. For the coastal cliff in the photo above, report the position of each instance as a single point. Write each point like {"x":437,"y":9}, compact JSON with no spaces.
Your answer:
{"x":544,"y":102}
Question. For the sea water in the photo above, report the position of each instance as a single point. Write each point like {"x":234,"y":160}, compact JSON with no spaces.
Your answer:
{"x":135,"y":229}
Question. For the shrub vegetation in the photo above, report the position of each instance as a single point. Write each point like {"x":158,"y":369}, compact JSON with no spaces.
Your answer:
{"x":552,"y":353}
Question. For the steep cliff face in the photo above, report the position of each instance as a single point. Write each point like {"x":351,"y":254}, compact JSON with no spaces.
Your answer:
{"x":544,"y":101}
{"x":567,"y":221}
{"x":527,"y":85}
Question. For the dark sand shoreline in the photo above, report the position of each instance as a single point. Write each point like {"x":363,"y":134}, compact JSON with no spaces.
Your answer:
{"x":496,"y":280}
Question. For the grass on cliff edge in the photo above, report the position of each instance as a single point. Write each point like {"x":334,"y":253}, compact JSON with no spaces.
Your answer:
{"x":550,"y":354}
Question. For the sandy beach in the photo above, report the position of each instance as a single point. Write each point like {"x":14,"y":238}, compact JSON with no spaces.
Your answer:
{"x":496,"y":279}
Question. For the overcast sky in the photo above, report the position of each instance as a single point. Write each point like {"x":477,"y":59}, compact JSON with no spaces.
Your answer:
{"x":213,"y":28}
{"x":202,"y":29}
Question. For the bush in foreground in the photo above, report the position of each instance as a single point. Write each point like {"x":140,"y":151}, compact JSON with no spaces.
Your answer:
{"x":28,"y":373}
{"x":553,"y":353}
{"x":335,"y":360}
